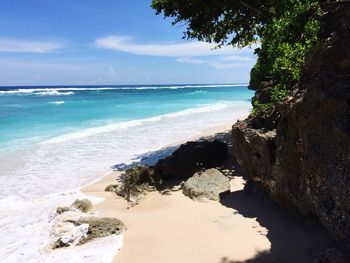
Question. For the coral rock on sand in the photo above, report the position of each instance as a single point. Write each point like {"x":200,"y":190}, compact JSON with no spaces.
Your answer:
{"x":137,"y":181}
{"x":111,"y":188}
{"x":190,"y":158}
{"x":182,"y":164}
{"x":75,"y":228}
{"x":208,"y":184}
{"x":65,"y":233}
{"x":100,"y":227}
{"x":83,"y":205}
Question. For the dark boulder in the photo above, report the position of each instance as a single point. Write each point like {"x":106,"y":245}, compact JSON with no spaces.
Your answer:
{"x":190,"y":158}
{"x":333,"y":255}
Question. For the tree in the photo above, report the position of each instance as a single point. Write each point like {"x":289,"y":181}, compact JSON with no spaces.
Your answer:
{"x":236,"y":22}
{"x":285,"y":30}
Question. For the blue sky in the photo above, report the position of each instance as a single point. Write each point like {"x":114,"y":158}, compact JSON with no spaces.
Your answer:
{"x":72,"y":42}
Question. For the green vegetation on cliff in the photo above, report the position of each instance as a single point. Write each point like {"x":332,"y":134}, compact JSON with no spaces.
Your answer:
{"x":284,"y":44}
{"x":285,"y":30}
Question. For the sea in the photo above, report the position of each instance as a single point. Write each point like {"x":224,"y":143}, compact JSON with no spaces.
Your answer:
{"x":56,"y":139}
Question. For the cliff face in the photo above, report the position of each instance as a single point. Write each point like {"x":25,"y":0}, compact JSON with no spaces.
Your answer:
{"x":304,"y":160}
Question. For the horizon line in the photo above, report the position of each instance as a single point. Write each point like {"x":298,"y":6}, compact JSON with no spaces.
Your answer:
{"x":119,"y":85}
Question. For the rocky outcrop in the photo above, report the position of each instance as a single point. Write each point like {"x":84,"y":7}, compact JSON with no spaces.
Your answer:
{"x":190,"y":158}
{"x":100,"y":227}
{"x":333,"y":255}
{"x":207,"y":185}
{"x":254,"y":150}
{"x":304,"y":161}
{"x":72,"y":226}
{"x":136,"y":182}
{"x":75,"y":228}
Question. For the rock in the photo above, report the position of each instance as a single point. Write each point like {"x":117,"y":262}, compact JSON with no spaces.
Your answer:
{"x":190,"y":158}
{"x":209,"y":184}
{"x":100,"y":227}
{"x":111,"y":188}
{"x":254,"y":150}
{"x":60,"y":243}
{"x":137,"y":181}
{"x":83,"y":205}
{"x":304,"y":160}
{"x":75,"y":228}
{"x":62,"y":209}
{"x":332,"y":255}
{"x":70,"y":235}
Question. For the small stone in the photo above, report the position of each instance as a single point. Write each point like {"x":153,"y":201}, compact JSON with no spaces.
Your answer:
{"x":62,"y":209}
{"x":83,"y":205}
{"x":60,"y":243}
{"x":111,"y":188}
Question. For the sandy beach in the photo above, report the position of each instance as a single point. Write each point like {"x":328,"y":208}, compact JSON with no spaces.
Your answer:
{"x":169,"y":131}
{"x":170,"y":227}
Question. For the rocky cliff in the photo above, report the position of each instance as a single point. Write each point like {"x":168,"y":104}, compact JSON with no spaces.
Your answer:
{"x":303,"y":156}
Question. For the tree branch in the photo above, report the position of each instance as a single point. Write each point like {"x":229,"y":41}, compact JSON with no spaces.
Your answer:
{"x":247,"y":5}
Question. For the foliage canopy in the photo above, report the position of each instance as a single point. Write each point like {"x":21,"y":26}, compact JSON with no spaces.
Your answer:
{"x":285,"y":30}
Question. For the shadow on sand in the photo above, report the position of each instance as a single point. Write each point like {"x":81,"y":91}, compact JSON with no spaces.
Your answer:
{"x":293,"y":239}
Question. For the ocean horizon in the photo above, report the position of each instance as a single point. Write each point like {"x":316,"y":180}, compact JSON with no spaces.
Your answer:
{"x":56,"y":139}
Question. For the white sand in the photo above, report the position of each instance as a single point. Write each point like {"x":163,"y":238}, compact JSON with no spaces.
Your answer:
{"x":173,"y":228}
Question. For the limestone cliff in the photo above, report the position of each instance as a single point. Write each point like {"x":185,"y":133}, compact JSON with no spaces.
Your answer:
{"x":303,"y":158}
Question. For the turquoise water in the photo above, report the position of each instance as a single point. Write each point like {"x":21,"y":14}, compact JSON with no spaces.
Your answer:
{"x":36,"y":113}
{"x":53,"y":140}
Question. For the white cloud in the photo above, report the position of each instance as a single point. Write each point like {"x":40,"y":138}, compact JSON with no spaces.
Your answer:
{"x":227,"y":65}
{"x":27,"y":46}
{"x":191,"y":52}
{"x":190,"y":60}
{"x":217,"y":62}
{"x":183,"y":49}
{"x":238,"y":58}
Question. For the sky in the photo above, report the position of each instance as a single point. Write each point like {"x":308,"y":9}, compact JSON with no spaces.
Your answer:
{"x":101,"y":42}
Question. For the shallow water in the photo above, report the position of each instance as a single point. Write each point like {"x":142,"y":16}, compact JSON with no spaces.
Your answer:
{"x":54,"y":140}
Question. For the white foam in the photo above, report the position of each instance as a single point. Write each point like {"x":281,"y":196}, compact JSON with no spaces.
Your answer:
{"x":54,"y":93}
{"x":101,"y":250}
{"x":56,"y":102}
{"x":69,"y":90}
{"x":128,"y":124}
{"x":35,"y":181}
{"x":189,"y":86}
{"x":40,"y":91}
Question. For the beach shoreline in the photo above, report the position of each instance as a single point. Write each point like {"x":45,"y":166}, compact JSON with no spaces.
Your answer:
{"x":173,"y":228}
